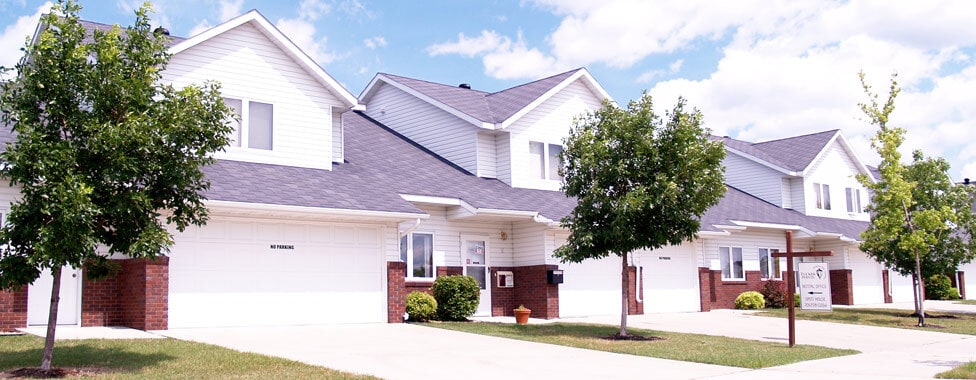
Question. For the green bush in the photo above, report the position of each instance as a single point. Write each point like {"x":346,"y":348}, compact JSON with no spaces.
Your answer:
{"x":457,"y":297}
{"x":750,"y":300}
{"x":421,"y":306}
{"x":939,"y":287}
{"x":774,"y":292}
{"x":796,"y":299}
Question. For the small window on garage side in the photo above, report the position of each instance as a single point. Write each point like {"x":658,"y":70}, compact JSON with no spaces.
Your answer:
{"x":253,"y":124}
{"x":417,"y":250}
{"x":769,"y":265}
{"x":731,"y":260}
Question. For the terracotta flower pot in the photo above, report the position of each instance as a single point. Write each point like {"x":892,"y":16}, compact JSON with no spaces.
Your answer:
{"x":522,"y":316}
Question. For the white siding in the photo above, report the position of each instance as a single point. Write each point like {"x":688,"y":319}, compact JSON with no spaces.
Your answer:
{"x":797,"y":191}
{"x":787,"y":192}
{"x":503,"y":153}
{"x":548,"y":123}
{"x":338,"y":147}
{"x":487,"y":155}
{"x":750,"y":242}
{"x":249,"y":66}
{"x":447,"y":237}
{"x":969,"y":272}
{"x":837,"y":169}
{"x":442,"y":133}
{"x":532,"y":244}
{"x":751,"y":177}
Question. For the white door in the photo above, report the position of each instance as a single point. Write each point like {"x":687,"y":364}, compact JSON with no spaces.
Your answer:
{"x":261,"y":273}
{"x":475,"y":263}
{"x":868,"y":286}
{"x":39,"y":298}
{"x":670,"y":279}
{"x":590,"y":288}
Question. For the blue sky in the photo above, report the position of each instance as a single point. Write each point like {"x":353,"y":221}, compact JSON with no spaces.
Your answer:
{"x":757,"y":69}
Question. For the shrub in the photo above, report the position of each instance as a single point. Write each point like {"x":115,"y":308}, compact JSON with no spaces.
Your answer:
{"x":457,"y":297}
{"x":939,"y":287}
{"x":774,"y":292}
{"x":421,"y":306}
{"x":796,"y":299}
{"x":750,"y":300}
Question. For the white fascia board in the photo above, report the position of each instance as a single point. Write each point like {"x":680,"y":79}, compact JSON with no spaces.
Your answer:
{"x":707,"y":234}
{"x":762,"y":162}
{"x":838,"y":236}
{"x":774,"y":226}
{"x":282,"y":41}
{"x":367,"y":92}
{"x":244,"y":207}
{"x":446,"y":201}
{"x":591,"y":83}
{"x":727,"y":227}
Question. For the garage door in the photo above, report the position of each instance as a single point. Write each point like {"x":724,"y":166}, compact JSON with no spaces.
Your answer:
{"x":249,"y":273}
{"x":590,"y":288}
{"x":670,"y":280}
{"x":868,"y":287}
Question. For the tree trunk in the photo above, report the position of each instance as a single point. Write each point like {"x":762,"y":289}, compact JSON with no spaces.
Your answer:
{"x":624,"y":299}
{"x":52,"y":319}
{"x":921,"y":291}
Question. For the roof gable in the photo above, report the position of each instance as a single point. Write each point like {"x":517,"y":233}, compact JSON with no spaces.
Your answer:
{"x":798,"y":152}
{"x":488,"y":110}
{"x":257,"y":20}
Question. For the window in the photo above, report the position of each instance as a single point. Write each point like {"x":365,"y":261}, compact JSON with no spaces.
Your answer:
{"x":254,"y":124}
{"x":731,"y":259}
{"x":854,"y":200}
{"x":544,"y":160}
{"x":417,"y":250}
{"x":769,"y":265}
{"x":823,"y":195}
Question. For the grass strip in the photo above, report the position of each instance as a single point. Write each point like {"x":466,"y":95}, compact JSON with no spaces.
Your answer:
{"x":936,"y":321}
{"x":677,"y":346}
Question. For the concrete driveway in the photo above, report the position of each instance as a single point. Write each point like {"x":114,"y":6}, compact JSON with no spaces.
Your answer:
{"x":405,"y":351}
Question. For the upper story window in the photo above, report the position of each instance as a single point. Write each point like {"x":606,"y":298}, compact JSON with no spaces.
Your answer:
{"x":254,"y":127}
{"x":544,"y":160}
{"x":854,"y":200}
{"x":417,"y":250}
{"x":731,"y":259}
{"x":769,"y":265}
{"x":823,"y":195}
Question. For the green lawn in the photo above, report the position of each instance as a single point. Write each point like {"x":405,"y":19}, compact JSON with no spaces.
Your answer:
{"x":965,"y":371}
{"x":158,"y":359}
{"x":677,"y":346}
{"x":956,"y":323}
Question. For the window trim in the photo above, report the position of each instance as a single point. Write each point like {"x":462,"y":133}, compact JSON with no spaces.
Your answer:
{"x":854,"y":205}
{"x":242,"y":135}
{"x":408,"y":260}
{"x":822,"y":199}
{"x":769,"y":259}
{"x":731,"y":251}
{"x":546,"y":164}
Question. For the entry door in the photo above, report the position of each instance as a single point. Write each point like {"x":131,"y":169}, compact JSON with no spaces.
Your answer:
{"x":39,"y":297}
{"x":474,"y":252}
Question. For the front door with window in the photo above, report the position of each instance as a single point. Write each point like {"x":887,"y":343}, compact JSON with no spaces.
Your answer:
{"x":474,"y":259}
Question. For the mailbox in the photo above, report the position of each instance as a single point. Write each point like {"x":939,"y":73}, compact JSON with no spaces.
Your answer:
{"x":506,"y":279}
{"x":554,"y":276}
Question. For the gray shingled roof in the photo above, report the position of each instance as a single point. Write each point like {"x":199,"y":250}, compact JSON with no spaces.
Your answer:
{"x":791,"y":153}
{"x":91,"y":26}
{"x":486,"y":107}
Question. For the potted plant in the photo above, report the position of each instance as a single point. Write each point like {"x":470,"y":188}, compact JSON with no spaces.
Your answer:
{"x":522,"y":314}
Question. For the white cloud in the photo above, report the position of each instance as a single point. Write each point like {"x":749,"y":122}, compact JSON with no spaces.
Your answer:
{"x":302,"y":33}
{"x":649,"y":76}
{"x":502,"y":57}
{"x":15,"y":35}
{"x":375,"y":42}
{"x":230,"y":9}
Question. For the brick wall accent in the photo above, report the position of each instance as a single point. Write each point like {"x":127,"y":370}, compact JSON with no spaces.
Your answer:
{"x":502,"y":299}
{"x":396,"y":292}
{"x":137,"y":296}
{"x":533,"y":291}
{"x":13,"y":309}
{"x":962,"y":283}
{"x":717,"y":293}
{"x":634,"y":307}
{"x":841,"y":287}
{"x":885,"y":286}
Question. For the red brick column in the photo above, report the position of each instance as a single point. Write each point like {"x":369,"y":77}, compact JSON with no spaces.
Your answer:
{"x":144,"y":293}
{"x":962,"y":283}
{"x":502,"y":299}
{"x":633,"y":306}
{"x":13,"y":309}
{"x":841,"y":287}
{"x":100,"y":302}
{"x":706,"y":288}
{"x":533,"y":290}
{"x":396,"y":293}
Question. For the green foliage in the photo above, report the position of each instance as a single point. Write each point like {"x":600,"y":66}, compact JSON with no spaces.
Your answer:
{"x":774,"y":293}
{"x":640,"y":182}
{"x":939,"y":287}
{"x":457,"y":297}
{"x":796,"y":299}
{"x":750,"y":300}
{"x":421,"y":306}
{"x":105,"y":155}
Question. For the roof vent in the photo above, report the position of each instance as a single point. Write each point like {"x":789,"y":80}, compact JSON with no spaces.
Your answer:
{"x":965,"y":181}
{"x":161,"y":30}
{"x":465,"y":86}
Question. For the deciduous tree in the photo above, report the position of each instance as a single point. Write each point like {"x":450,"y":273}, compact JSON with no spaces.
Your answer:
{"x":105,"y":155}
{"x":641,"y":182}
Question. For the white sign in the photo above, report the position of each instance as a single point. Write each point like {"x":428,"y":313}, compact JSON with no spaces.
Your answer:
{"x":814,"y":283}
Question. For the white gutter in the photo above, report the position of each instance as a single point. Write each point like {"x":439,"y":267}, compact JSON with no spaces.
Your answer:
{"x":315,"y":211}
{"x":411,"y":229}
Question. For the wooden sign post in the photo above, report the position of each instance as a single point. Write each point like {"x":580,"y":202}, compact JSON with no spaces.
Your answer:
{"x":790,"y":285}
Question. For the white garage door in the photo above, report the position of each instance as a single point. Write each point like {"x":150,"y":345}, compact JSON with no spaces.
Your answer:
{"x":868,"y":285}
{"x":590,"y":288}
{"x":969,"y":272}
{"x":670,"y":280}
{"x":249,"y":273}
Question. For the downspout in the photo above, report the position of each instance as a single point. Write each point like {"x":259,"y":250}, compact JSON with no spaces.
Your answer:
{"x":409,"y":230}
{"x":637,"y":276}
